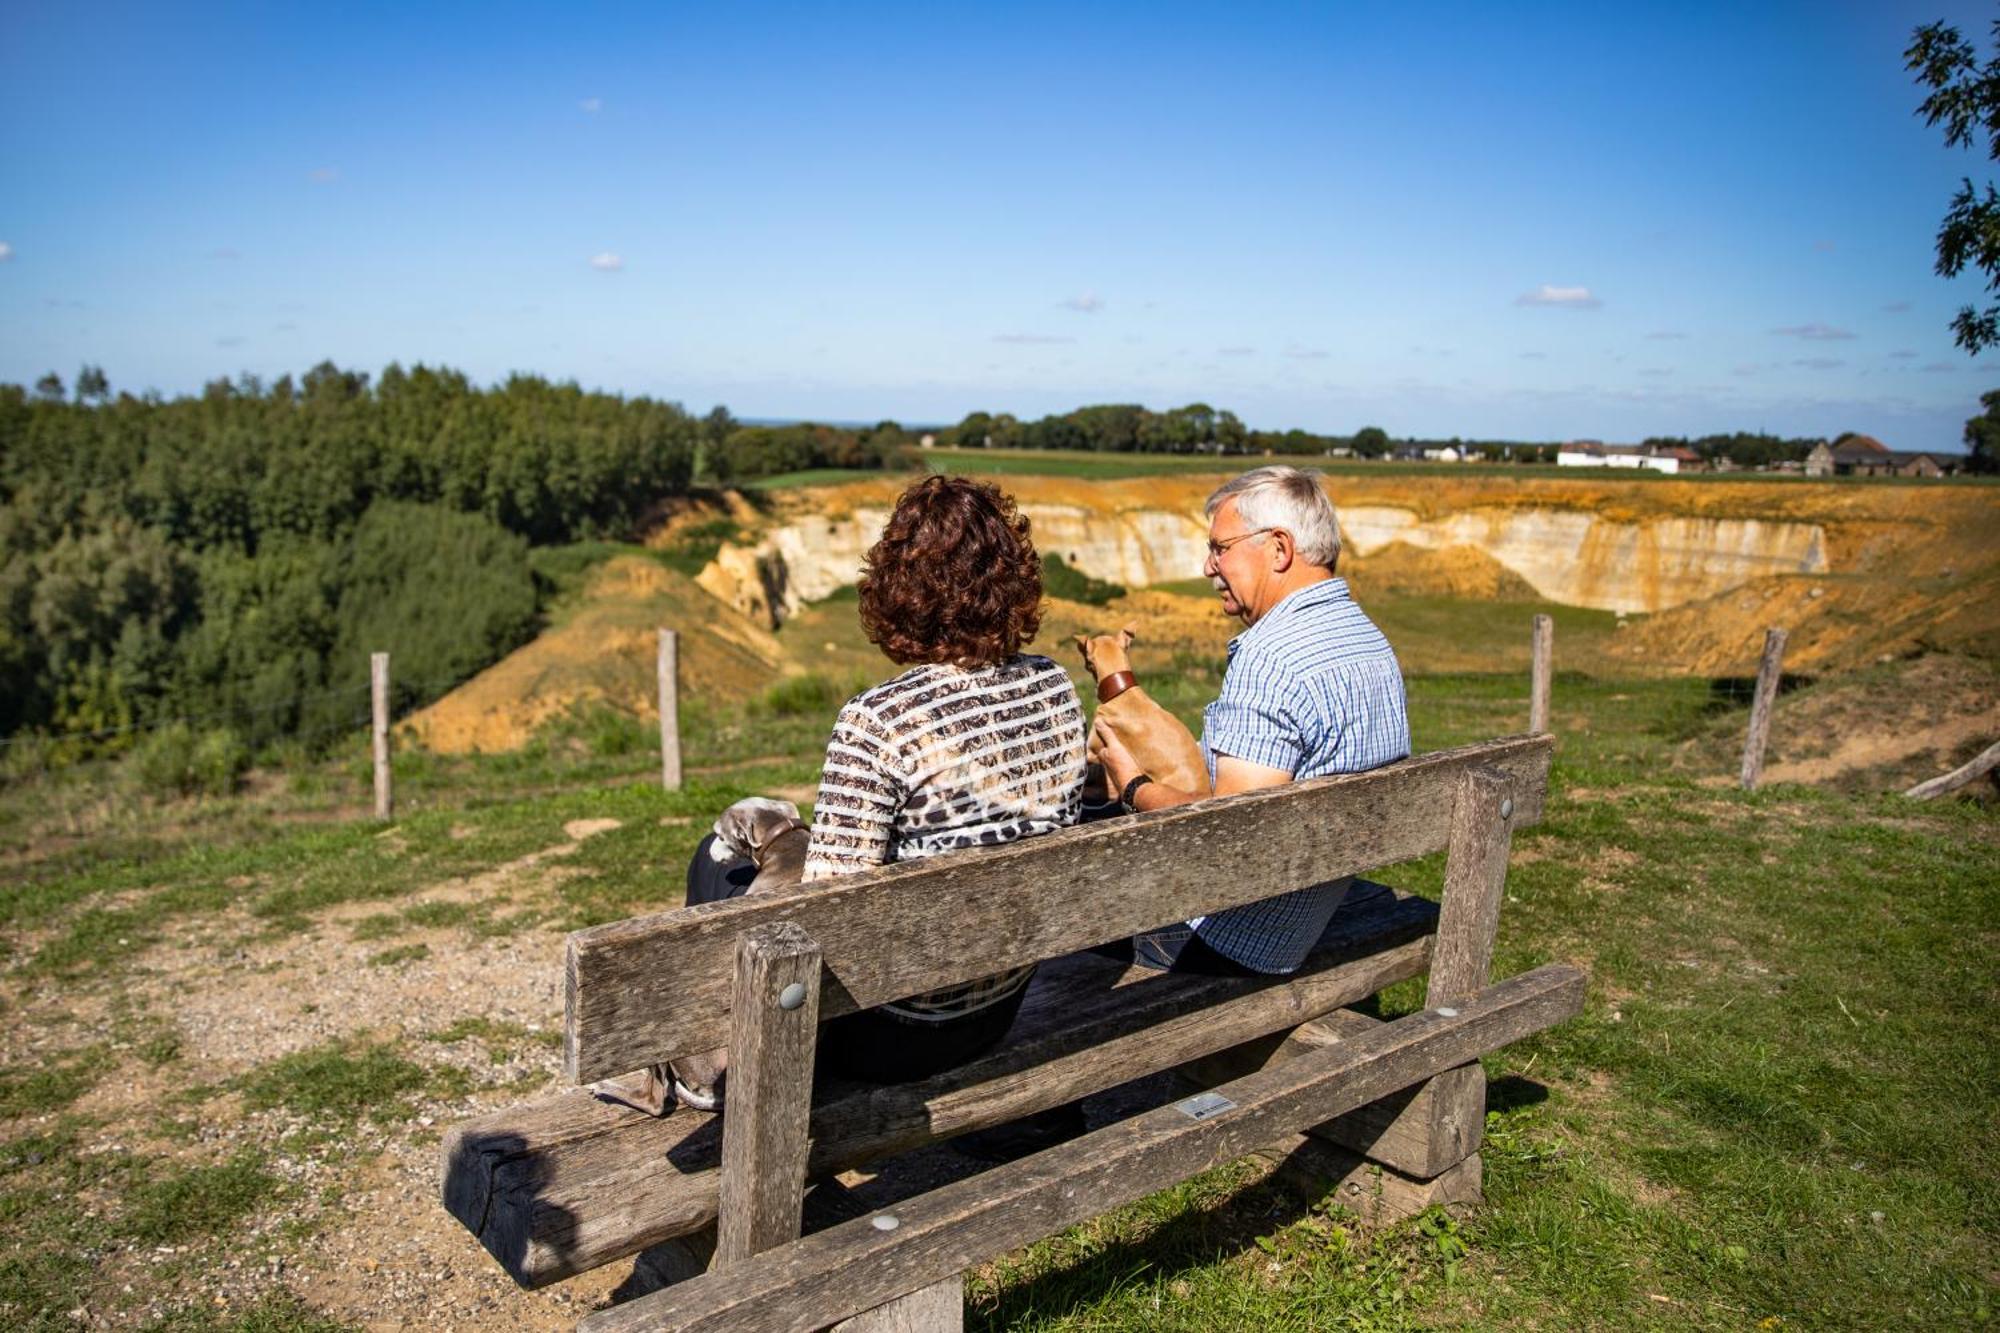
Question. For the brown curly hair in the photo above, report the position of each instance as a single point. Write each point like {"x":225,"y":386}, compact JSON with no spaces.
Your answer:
{"x":954,"y":577}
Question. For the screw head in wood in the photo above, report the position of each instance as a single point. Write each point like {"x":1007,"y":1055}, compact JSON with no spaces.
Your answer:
{"x":885,"y":1222}
{"x":1506,"y":807}
{"x":792,"y":996}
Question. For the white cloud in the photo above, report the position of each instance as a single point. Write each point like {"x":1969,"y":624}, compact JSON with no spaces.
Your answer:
{"x":1236,"y":351}
{"x":1030,"y":339}
{"x":1813,"y":332}
{"x":1819,"y":363}
{"x":1306,"y":353}
{"x":323,"y":175}
{"x":1904,"y":355}
{"x":591,"y":105}
{"x":607,"y":261}
{"x":1895,"y":307}
{"x":1939,"y":368}
{"x":1087,"y":304}
{"x":6,"y":252}
{"x":1570,"y":298}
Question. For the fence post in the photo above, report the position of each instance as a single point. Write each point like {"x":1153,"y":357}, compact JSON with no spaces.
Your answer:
{"x":670,"y":711}
{"x":1768,"y":671}
{"x":1543,"y":666}
{"x":378,"y":679}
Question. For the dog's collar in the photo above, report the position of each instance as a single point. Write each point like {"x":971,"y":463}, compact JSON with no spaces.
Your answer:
{"x":1114,"y":685}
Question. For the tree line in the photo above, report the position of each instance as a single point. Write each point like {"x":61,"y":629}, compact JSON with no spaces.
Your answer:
{"x":237,"y":553}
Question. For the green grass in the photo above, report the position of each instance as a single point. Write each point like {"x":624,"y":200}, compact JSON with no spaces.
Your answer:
{"x":1778,"y":1105}
{"x":336,"y":1081}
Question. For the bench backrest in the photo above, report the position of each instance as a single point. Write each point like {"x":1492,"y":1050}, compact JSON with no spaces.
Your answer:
{"x":659,"y":987}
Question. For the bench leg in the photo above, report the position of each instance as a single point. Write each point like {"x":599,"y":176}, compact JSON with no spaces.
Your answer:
{"x":774,"y":1021}
{"x":1475,"y":879}
{"x":1313,"y":1168}
{"x":938,"y":1308}
{"x":1423,"y":1133}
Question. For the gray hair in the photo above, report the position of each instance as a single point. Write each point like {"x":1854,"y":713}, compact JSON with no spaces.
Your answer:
{"x":1288,"y":498}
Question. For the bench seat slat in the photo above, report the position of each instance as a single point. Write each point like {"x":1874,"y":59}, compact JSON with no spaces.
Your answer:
{"x":558,"y":1187}
{"x":657,"y":987}
{"x":858,"y":1265}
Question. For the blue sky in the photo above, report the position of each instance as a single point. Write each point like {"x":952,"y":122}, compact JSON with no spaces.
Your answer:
{"x":1531,"y":222}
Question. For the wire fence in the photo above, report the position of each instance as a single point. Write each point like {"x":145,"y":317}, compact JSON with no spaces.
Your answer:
{"x":430,"y":691}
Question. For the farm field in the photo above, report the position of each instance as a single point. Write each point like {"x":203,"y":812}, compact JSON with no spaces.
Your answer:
{"x":238,"y":1027}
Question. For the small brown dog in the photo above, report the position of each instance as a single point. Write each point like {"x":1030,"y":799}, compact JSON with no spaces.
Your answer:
{"x":1166,"y":750}
{"x":772,"y":837}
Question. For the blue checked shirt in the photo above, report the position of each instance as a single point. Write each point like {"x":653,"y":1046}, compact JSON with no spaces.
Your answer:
{"x":1312,"y":688}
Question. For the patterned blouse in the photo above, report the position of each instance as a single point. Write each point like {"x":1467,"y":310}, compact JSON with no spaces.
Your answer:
{"x":942,"y":758}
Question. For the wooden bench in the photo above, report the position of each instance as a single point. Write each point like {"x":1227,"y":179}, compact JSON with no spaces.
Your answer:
{"x":558,"y":1187}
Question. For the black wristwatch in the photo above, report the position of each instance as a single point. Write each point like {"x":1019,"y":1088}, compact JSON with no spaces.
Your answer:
{"x":1131,"y":790}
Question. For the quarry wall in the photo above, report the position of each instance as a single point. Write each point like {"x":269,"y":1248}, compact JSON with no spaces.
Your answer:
{"x":1607,"y":561}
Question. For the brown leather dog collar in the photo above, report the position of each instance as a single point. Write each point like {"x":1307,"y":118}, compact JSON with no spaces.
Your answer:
{"x":1114,"y":685}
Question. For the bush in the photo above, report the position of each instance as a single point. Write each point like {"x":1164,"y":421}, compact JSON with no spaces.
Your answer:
{"x":802,"y":696}
{"x":1064,"y":580}
{"x":178,"y":761}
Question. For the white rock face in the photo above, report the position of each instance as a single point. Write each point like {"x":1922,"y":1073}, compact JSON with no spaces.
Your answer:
{"x":1567,"y":555}
{"x":1580,"y":559}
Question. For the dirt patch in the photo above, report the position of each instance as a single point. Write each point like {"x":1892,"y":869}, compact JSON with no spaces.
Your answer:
{"x":606,"y":653}
{"x":1885,"y":729}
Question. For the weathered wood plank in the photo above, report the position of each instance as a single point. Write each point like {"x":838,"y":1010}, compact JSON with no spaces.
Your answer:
{"x":775,"y":1026}
{"x":938,"y":1308}
{"x":860,"y":1264}
{"x":657,"y":987}
{"x":558,"y":1187}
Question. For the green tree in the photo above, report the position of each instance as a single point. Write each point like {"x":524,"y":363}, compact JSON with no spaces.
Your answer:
{"x":91,"y":386}
{"x":1371,"y":442}
{"x":1965,"y":99}
{"x":1982,"y":435}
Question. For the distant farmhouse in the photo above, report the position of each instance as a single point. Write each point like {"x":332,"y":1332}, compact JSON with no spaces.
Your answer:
{"x":1866,"y":456}
{"x":1655,"y":458}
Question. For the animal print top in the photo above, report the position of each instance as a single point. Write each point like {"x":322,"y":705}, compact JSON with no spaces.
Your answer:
{"x":942,"y":758}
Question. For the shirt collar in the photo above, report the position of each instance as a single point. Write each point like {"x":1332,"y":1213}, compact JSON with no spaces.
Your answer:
{"x":1316,"y":593}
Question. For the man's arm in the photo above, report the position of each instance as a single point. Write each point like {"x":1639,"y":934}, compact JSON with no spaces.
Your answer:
{"x":1232,"y":775}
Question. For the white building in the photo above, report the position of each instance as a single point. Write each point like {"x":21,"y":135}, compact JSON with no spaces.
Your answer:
{"x":1594,"y":453}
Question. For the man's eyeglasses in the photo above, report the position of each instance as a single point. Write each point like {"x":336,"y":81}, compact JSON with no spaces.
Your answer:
{"x":1216,"y":548}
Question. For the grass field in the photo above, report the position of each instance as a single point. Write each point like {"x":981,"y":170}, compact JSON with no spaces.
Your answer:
{"x":235,"y":1028}
{"x":1101,"y":467}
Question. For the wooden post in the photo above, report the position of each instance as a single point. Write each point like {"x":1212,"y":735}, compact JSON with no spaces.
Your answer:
{"x":378,"y":679}
{"x":1985,"y":762}
{"x":1768,"y":672}
{"x":1538,"y":683}
{"x":774,"y":1022}
{"x":670,"y":711}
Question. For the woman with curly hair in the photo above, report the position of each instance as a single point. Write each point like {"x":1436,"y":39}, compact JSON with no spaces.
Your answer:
{"x":974,"y":744}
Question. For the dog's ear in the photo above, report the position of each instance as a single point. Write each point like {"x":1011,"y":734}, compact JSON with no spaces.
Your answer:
{"x":1083,"y":646}
{"x":1128,"y":634}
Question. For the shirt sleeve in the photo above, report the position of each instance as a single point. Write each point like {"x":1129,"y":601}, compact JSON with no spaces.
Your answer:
{"x":860,"y":791}
{"x":1253,"y":719}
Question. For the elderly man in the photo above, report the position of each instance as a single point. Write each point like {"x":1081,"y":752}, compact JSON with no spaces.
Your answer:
{"x":1312,"y":688}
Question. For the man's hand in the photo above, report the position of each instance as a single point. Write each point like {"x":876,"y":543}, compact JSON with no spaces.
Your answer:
{"x":1119,"y":765}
